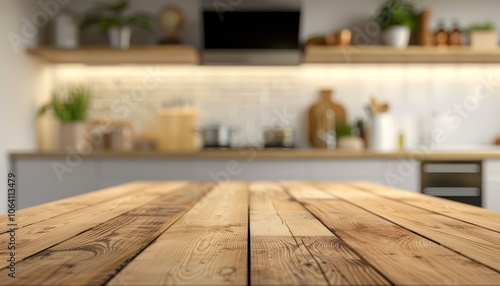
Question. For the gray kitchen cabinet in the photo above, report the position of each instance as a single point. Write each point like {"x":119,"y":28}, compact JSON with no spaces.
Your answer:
{"x":491,"y":184}
{"x":39,"y":182}
{"x":402,"y":174}
{"x":249,"y":170}
{"x":345,"y":170}
{"x":141,"y":169}
{"x":46,"y":180}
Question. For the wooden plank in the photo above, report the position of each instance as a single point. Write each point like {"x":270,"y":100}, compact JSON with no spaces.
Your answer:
{"x":94,"y":256}
{"x":166,"y":54}
{"x":412,"y":54}
{"x":291,"y":247}
{"x":207,"y":246}
{"x":403,"y":257}
{"x":28,"y":216}
{"x":475,"y":242}
{"x":464,"y":212}
{"x":44,"y":234}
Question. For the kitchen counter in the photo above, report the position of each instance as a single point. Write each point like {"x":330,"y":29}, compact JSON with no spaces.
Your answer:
{"x":267,"y":154}
{"x":254,"y":233}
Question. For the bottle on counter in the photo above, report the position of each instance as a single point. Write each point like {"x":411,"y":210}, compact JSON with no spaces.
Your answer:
{"x":441,"y":36}
{"x":455,"y":36}
{"x":424,"y":31}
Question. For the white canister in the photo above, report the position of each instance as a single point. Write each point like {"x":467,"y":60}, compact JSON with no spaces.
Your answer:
{"x":66,"y":30}
{"x":383,"y":133}
{"x":397,"y":36}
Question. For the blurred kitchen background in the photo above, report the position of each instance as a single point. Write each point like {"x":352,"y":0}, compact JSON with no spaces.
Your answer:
{"x":167,"y":90}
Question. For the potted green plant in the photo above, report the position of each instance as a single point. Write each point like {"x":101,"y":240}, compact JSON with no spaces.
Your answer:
{"x":111,"y":19}
{"x":347,"y":138}
{"x":396,"y":19}
{"x":70,"y":107}
{"x":483,"y":35}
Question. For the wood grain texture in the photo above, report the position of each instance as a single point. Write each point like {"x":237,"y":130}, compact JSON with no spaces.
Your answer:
{"x":475,"y":242}
{"x":289,"y":246}
{"x":104,"y":249}
{"x":44,"y":234}
{"x":165,"y":54}
{"x":411,"y":54}
{"x":29,"y":216}
{"x":207,"y":246}
{"x":464,"y":212}
{"x":265,"y":233}
{"x":405,"y":258}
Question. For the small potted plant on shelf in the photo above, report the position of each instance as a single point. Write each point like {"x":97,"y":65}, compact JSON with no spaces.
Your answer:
{"x":347,"y":137}
{"x":111,"y":19}
{"x":396,"y":19}
{"x":70,"y":107}
{"x":483,"y":35}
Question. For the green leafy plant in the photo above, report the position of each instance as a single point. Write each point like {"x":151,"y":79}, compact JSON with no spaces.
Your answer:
{"x":396,"y":12}
{"x":487,"y":26}
{"x":113,"y":15}
{"x":69,"y":108}
{"x":343,"y":129}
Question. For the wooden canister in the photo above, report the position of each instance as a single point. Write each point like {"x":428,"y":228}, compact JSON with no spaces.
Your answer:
{"x":178,"y":129}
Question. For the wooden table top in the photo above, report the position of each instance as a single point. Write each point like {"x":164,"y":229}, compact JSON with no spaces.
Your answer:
{"x":254,"y":233}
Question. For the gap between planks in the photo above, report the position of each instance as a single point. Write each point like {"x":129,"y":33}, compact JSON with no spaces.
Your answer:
{"x":403,"y":256}
{"x":94,"y":256}
{"x":47,"y":233}
{"x":471,"y":214}
{"x":29,"y":216}
{"x":289,"y":246}
{"x":477,"y":243}
{"x":206,"y":246}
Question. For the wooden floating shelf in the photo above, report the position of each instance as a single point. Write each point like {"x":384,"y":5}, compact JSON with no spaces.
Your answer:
{"x":185,"y":54}
{"x":412,"y":54}
{"x":172,"y":54}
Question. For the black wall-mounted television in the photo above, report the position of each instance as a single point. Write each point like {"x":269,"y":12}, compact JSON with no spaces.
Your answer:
{"x":251,"y":29}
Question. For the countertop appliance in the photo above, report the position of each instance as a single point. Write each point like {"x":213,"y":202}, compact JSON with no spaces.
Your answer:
{"x":252,"y":35}
{"x":279,"y":138}
{"x":216,"y":136}
{"x":454,"y":180}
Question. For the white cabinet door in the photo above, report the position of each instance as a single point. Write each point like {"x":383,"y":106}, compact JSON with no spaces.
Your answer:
{"x":491,"y":184}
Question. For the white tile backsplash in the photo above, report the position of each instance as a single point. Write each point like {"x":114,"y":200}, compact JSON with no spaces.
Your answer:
{"x":252,"y":98}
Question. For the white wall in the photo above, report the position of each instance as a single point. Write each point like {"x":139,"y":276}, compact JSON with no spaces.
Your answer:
{"x":318,"y":16}
{"x":324,"y":16}
{"x":247,"y":97}
{"x":253,"y":98}
{"x":23,"y":83}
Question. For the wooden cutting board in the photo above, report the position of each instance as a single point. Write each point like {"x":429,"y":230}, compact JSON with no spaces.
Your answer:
{"x":318,"y":118}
